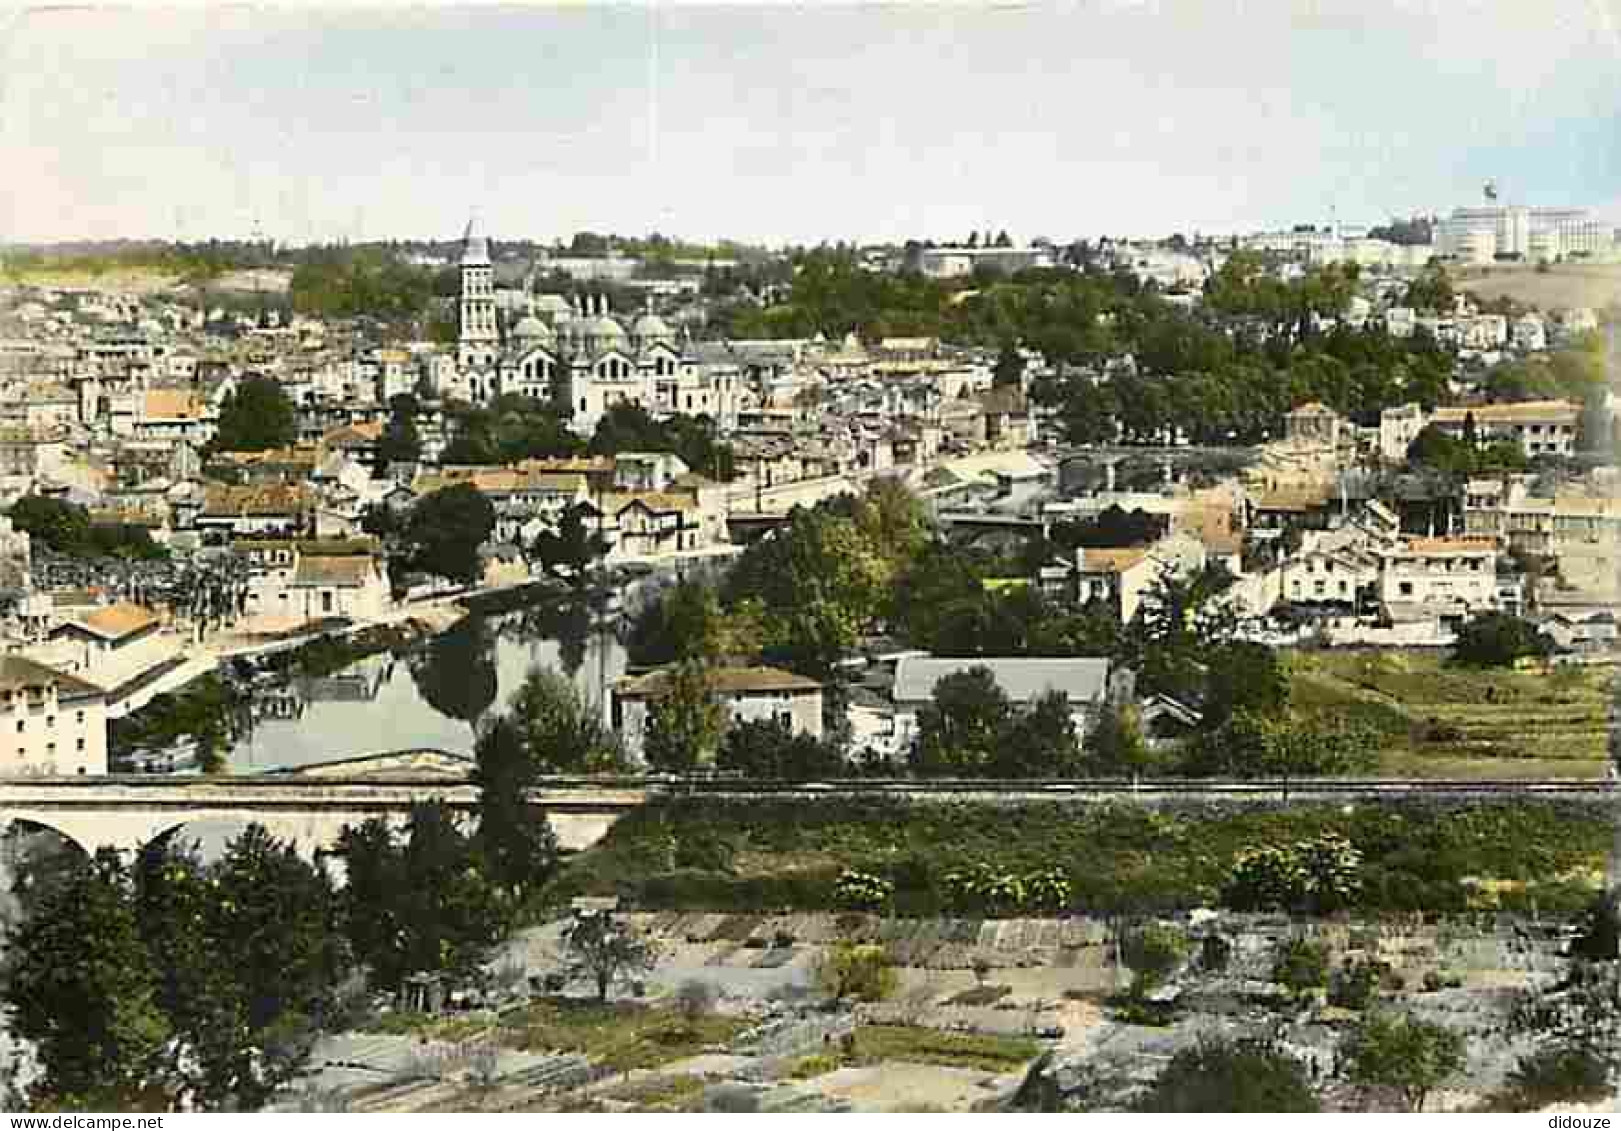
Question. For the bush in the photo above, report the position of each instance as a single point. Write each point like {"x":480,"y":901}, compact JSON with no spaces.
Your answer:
{"x":858,"y":971}
{"x":1215,"y":952}
{"x":695,"y":1000}
{"x":1301,"y":965}
{"x":1315,"y":876}
{"x":1243,"y":1076}
{"x":862,"y":891}
{"x":1357,"y":982}
{"x":1152,"y":954}
{"x":1561,"y":1074}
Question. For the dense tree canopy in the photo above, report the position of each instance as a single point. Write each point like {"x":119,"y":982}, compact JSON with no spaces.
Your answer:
{"x":65,"y":528}
{"x":509,"y":429}
{"x":446,"y":529}
{"x":257,"y":415}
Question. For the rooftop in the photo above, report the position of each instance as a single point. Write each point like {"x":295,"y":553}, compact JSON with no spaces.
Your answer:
{"x":724,"y":680}
{"x":115,"y":622}
{"x":1022,"y":679}
{"x":17,"y":673}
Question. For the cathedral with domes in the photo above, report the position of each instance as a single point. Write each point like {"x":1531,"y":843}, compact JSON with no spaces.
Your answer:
{"x":573,"y":351}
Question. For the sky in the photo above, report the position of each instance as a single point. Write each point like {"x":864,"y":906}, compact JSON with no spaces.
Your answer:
{"x":777,"y":122}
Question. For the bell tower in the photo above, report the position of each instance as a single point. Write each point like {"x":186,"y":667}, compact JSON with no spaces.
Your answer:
{"x":479,"y":338}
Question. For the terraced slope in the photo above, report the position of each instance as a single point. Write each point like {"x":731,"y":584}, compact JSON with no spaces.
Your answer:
{"x":1440,"y":721}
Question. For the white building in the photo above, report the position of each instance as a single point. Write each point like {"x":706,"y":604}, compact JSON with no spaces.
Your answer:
{"x":1447,"y":572}
{"x":51,"y":723}
{"x":1085,"y":682}
{"x":754,"y":694}
{"x":1481,"y":235}
{"x":1539,"y":427}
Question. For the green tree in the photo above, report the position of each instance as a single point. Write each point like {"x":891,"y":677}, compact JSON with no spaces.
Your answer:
{"x":856,"y":972}
{"x":684,"y":720}
{"x":257,"y":415}
{"x":1493,"y":639}
{"x":959,"y":729}
{"x":607,"y":950}
{"x":54,"y":524}
{"x":767,"y":748}
{"x":1116,"y":745}
{"x":561,"y":732}
{"x":1301,"y":966}
{"x":213,"y":1057}
{"x":1009,"y":368}
{"x":280,"y":913}
{"x":1431,"y":291}
{"x":1243,"y":676}
{"x":1040,"y":741}
{"x":1241,"y":1076}
{"x":450,"y":912}
{"x":569,"y":551}
{"x":81,"y":987}
{"x":517,"y":844}
{"x":1403,"y":1054}
{"x":686,"y":622}
{"x":400,"y":441}
{"x":1153,"y":953}
{"x":369,"y":908}
{"x":446,"y":528}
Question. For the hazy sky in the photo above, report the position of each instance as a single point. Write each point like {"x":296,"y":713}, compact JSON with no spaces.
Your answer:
{"x":803,"y":122}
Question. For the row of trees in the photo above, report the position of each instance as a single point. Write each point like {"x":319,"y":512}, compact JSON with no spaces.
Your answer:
{"x":65,"y":528}
{"x":115,"y":975}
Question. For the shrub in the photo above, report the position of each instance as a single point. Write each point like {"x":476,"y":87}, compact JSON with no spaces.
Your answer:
{"x":862,"y":891}
{"x":1404,"y":1054}
{"x":1560,"y":1074}
{"x":1316,"y":876}
{"x":695,"y":1000}
{"x":859,"y":971}
{"x":1152,"y":953}
{"x":1216,"y":1075}
{"x":1301,"y":965}
{"x":1049,"y":889}
{"x":1215,"y":952}
{"x":1357,"y":982}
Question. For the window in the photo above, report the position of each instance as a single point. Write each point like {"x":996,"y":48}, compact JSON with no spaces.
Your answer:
{"x":1406,"y":588}
{"x":22,"y":725}
{"x":50,"y":748}
{"x":50,"y":722}
{"x":81,"y":718}
{"x":81,"y":744}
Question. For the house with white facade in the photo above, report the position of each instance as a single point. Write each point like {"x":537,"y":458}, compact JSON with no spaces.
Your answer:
{"x":52,"y":724}
{"x":1087,"y":683}
{"x":747,"y":694}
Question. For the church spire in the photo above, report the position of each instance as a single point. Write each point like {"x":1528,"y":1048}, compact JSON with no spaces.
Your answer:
{"x":475,"y":248}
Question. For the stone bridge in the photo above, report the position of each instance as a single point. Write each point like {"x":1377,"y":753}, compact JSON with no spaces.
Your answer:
{"x":128,"y":813}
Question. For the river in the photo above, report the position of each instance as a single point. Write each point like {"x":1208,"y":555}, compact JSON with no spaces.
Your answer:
{"x":432,"y":697}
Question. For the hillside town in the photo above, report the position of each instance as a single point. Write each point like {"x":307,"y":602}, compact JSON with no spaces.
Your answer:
{"x":686,"y":559}
{"x":189,"y":485}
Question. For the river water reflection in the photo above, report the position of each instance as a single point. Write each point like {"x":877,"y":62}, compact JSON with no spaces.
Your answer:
{"x":431,"y":697}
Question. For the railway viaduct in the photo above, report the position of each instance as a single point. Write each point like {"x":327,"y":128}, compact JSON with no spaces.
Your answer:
{"x":129,"y":812}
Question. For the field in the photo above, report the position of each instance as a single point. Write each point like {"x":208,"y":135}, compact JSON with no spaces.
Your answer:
{"x":1437,"y":721}
{"x":1559,"y":288}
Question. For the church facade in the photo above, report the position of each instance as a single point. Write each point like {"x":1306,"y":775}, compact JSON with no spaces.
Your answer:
{"x":574,"y":351}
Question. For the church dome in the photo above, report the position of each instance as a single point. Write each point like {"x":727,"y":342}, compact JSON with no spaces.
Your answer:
{"x":650,"y":328}
{"x":608,"y":330}
{"x":530,"y":328}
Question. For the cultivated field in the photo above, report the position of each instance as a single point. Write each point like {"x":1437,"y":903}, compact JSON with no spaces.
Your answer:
{"x":1438,"y":721}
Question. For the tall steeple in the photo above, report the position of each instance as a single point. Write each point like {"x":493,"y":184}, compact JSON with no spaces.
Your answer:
{"x":479,"y":337}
